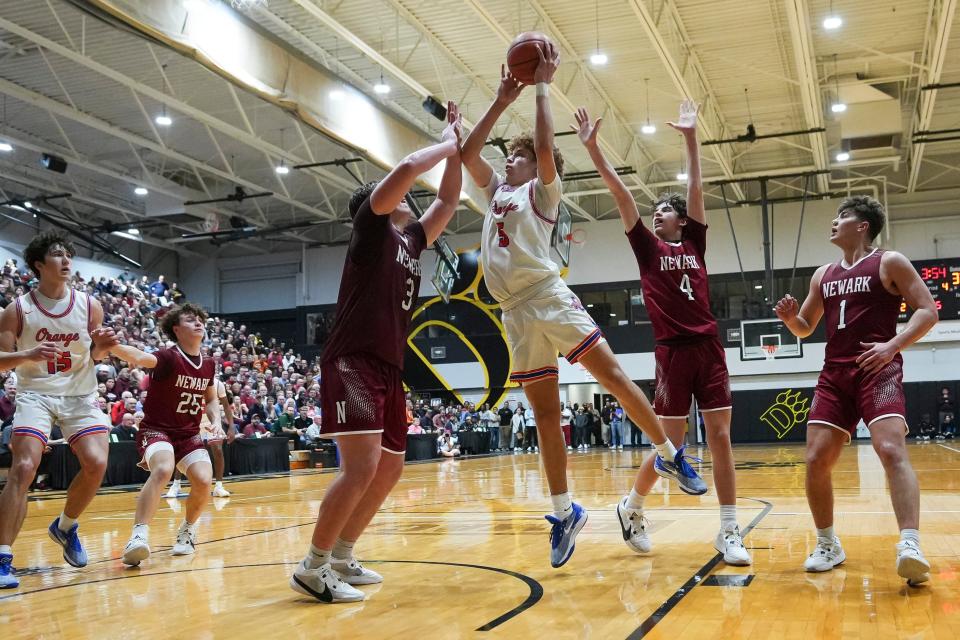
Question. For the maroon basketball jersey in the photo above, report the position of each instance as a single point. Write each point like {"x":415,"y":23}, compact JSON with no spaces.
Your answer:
{"x":673,"y":277}
{"x":380,"y":284}
{"x":857,"y":308}
{"x":174,"y":402}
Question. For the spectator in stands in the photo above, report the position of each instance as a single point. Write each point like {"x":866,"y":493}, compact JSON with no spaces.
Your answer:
{"x":506,"y":431}
{"x":255,"y":427}
{"x":945,"y":407}
{"x":581,"y":428}
{"x":566,"y":421}
{"x":126,"y":430}
{"x":312,"y":433}
{"x":948,"y":430}
{"x":8,"y":402}
{"x":491,"y":424}
{"x":616,"y":426}
{"x":159,"y":288}
{"x":530,"y":431}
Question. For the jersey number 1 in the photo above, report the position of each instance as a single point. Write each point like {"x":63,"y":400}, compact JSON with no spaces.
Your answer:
{"x":60,"y":364}
{"x":843,"y":312}
{"x":685,"y":286}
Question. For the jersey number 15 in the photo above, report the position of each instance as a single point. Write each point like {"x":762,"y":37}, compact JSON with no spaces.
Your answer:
{"x":61,"y":364}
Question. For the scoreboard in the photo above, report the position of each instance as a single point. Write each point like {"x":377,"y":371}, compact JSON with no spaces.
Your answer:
{"x":943,"y":279}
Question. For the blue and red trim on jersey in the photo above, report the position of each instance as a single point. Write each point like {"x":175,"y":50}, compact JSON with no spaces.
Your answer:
{"x":19,"y":318}
{"x":584,"y":347}
{"x":30,"y":432}
{"x":88,"y":431}
{"x":39,"y":306}
{"x":535,"y":374}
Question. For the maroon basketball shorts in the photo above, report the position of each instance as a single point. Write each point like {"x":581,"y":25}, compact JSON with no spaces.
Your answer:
{"x":362,"y":394}
{"x":845,"y":394}
{"x":186,"y":449}
{"x":698,"y":369}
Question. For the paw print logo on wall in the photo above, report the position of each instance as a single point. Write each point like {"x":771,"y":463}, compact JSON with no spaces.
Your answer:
{"x":788,"y":410}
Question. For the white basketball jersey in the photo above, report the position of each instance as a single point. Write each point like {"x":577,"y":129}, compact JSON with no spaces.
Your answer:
{"x":217,"y":409}
{"x":66,"y":324}
{"x":515,"y":245}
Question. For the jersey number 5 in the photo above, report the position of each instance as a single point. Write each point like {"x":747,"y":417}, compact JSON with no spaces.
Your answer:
{"x":502,"y":235}
{"x":60,"y":364}
{"x":685,"y":286}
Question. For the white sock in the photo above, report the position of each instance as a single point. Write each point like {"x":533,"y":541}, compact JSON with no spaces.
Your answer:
{"x":905,"y":534}
{"x":316,"y":558}
{"x":562,"y":505}
{"x":65,"y":523}
{"x":635,"y":501}
{"x":189,"y":526}
{"x":826,"y":534}
{"x":5,"y":549}
{"x":219,"y":485}
{"x":666,"y":450}
{"x":342,"y":549}
{"x":728,"y":517}
{"x":141,"y":530}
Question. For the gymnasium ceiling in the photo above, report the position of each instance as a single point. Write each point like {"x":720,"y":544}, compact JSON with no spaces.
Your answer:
{"x":89,"y":91}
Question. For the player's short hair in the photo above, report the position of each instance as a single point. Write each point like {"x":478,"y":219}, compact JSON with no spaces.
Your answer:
{"x":41,"y":244}
{"x":172,"y":317}
{"x":359,"y":195}
{"x":675,"y":200}
{"x":866,"y":209}
{"x":525,"y":141}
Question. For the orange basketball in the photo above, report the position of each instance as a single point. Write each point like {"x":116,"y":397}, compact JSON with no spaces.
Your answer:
{"x":522,"y":56}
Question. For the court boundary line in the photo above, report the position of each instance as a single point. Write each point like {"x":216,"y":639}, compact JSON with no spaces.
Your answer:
{"x":946,"y":447}
{"x":661,"y":612}
{"x":535,"y":595}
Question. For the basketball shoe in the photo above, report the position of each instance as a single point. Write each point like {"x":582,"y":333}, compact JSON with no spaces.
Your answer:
{"x":633,"y":525}
{"x":911,"y":564}
{"x":186,"y":543}
{"x":219,"y":491}
{"x":73,"y":551}
{"x":354,"y":573}
{"x":730,"y":544}
{"x":174,"y":490}
{"x":324,"y":584}
{"x":680,"y":470}
{"x":136,"y":551}
{"x":8,"y":579}
{"x":563,"y":535}
{"x":826,"y":556}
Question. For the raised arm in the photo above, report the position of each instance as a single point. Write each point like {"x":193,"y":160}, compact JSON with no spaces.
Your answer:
{"x":916,"y":294}
{"x":587,"y":133}
{"x":438,"y":214}
{"x":103,"y":337}
{"x":687,"y":125}
{"x":802,"y":320}
{"x":132,"y":355}
{"x":390,"y":191}
{"x":543,"y":135}
{"x":10,"y":359}
{"x":479,"y":169}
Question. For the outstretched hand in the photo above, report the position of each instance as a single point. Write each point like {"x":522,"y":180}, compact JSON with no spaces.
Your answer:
{"x":510,"y":88}
{"x":687,"y":122}
{"x":548,"y":64}
{"x":585,"y":131}
{"x":454,"y":128}
{"x":788,"y":308}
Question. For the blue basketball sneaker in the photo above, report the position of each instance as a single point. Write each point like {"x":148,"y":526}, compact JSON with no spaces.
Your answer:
{"x":563,"y":535}
{"x":73,"y":551}
{"x":7,"y":578}
{"x":680,"y":470}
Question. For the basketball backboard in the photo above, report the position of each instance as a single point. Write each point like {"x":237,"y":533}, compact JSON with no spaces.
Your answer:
{"x":562,"y":234}
{"x":445,"y":273}
{"x":768,"y":339}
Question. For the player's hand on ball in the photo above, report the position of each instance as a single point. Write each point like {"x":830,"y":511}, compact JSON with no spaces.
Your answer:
{"x":454,"y":128}
{"x":510,"y":88}
{"x":43,"y":352}
{"x":687,"y":122}
{"x":549,"y":62}
{"x":787,"y":308}
{"x":585,"y":131}
{"x":876,"y":356}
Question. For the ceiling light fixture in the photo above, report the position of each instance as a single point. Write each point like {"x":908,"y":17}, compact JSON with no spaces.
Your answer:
{"x":598,"y":59}
{"x":133,"y":231}
{"x":648,"y":128}
{"x":682,"y":175}
{"x":141,"y":191}
{"x":838,"y":106}
{"x":843,"y":156}
{"x":832,"y":21}
{"x":282,"y":169}
{"x":6,"y":147}
{"x":381,"y":87}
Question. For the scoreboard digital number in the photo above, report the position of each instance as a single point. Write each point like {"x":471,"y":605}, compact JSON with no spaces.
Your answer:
{"x":942,"y":277}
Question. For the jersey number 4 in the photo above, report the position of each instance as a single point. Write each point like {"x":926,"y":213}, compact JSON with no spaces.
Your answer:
{"x":60,"y":364}
{"x":685,"y":286}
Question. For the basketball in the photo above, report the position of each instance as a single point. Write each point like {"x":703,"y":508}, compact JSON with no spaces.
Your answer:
{"x":523,"y":57}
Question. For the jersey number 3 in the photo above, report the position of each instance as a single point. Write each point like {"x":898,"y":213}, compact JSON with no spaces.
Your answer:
{"x":60,"y":364}
{"x":502,"y":235}
{"x":685,"y":286}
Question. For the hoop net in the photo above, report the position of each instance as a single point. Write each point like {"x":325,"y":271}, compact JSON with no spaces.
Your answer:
{"x":770,"y":350}
{"x":577,"y":236}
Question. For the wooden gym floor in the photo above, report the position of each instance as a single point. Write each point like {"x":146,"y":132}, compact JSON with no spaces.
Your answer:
{"x":463,"y":548}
